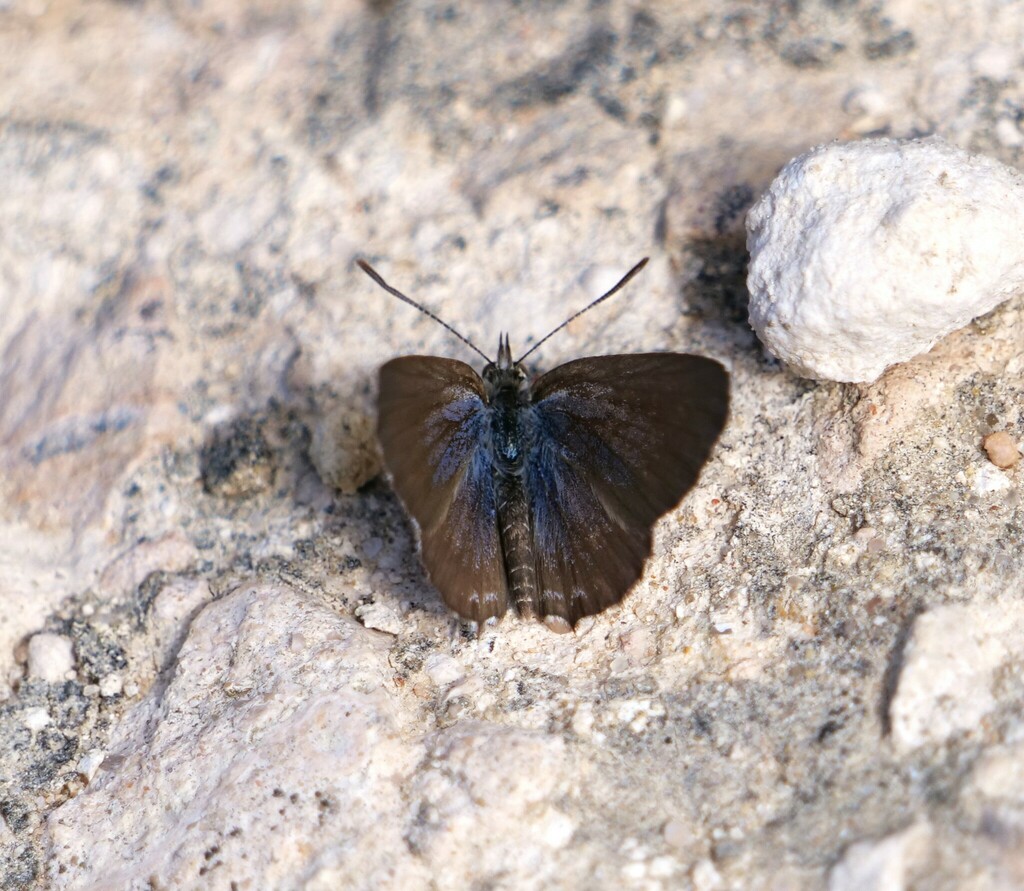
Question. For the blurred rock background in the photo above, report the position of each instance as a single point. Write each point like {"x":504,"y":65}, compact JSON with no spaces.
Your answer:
{"x":220,"y":663}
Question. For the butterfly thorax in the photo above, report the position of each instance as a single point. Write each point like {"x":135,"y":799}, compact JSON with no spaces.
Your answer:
{"x":508,"y":397}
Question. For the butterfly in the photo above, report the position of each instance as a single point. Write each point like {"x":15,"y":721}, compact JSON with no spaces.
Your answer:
{"x":542,"y":493}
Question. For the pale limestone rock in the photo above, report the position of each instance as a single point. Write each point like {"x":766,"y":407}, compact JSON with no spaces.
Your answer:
{"x":177,"y":602}
{"x":254,"y":747}
{"x":949,"y":668}
{"x":344,"y":450}
{"x":880,"y":865}
{"x":864,"y":254}
{"x":170,"y":552}
{"x":480,"y":779}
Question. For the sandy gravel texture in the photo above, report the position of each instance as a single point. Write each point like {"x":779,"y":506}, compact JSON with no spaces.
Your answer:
{"x":817,"y":683}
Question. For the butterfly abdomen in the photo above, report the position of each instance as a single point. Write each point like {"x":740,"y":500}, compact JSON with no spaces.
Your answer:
{"x":517,"y":544}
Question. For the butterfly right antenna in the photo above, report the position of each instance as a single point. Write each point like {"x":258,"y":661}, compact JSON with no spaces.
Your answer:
{"x":618,"y":287}
{"x":394,"y":292}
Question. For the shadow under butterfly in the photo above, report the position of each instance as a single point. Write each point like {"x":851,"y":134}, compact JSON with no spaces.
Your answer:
{"x":542,"y":494}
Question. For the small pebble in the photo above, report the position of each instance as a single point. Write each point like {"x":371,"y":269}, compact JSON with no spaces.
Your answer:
{"x":556,"y":828}
{"x":344,"y":450}
{"x":704,"y":876}
{"x":379,"y":617}
{"x":442,"y":670}
{"x":89,"y":763}
{"x":36,"y":718}
{"x":50,"y":657}
{"x":1008,"y":133}
{"x":1001,"y":449}
{"x":678,"y":834}
{"x":110,"y":685}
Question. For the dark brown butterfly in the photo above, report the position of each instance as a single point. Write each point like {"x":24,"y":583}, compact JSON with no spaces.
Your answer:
{"x":542,"y":494}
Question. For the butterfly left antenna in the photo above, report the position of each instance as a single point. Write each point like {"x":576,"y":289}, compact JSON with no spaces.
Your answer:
{"x":394,"y":292}
{"x":618,"y":287}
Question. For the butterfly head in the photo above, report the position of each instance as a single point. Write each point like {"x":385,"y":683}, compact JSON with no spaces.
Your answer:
{"x":503,"y":373}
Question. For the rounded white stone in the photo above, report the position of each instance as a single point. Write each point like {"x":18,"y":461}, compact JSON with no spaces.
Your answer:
{"x":50,"y":657}
{"x":863,"y":255}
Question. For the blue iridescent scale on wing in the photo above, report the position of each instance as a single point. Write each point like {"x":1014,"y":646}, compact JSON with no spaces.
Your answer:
{"x":455,"y":432}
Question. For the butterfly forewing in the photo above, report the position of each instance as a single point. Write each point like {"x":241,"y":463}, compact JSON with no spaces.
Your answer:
{"x":618,"y":441}
{"x":432,"y":428}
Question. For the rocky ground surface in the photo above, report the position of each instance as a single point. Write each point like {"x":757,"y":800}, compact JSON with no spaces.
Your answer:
{"x":220,"y":663}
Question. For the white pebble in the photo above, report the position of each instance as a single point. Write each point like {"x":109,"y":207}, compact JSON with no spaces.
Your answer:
{"x":442,"y":670}
{"x":50,"y":657}
{"x":678,"y":834}
{"x":634,"y":872}
{"x":379,"y":617}
{"x":704,"y":876}
{"x":556,"y":828}
{"x":867,"y":101}
{"x":863,"y":255}
{"x":89,"y":763}
{"x":110,"y":685}
{"x":662,"y":867}
{"x":989,"y":479}
{"x":36,"y":718}
{"x":583,"y":719}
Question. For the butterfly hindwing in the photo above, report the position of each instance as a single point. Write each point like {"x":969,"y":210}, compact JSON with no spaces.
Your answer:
{"x":432,"y":428}
{"x":618,"y":441}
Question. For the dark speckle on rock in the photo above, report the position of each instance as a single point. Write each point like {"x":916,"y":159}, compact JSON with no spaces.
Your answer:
{"x":892,"y":45}
{"x":730,"y":204}
{"x":237,"y":462}
{"x":97,"y":651}
{"x":564,"y":75}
